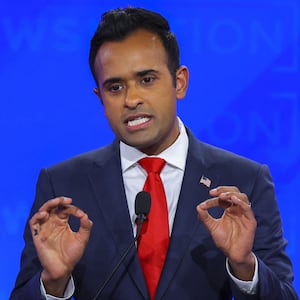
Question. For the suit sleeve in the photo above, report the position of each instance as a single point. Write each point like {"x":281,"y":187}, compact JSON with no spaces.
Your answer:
{"x":27,"y":284}
{"x":275,"y":274}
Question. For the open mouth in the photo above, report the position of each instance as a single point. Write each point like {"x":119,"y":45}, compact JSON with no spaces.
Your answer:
{"x":138,"y":121}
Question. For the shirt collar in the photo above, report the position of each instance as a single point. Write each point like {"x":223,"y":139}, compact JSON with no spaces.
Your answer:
{"x":175,"y":155}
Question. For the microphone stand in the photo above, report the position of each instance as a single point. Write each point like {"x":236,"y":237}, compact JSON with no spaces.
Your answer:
{"x":141,"y":218}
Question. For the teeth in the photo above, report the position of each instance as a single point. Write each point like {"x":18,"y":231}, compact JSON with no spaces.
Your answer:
{"x":137,"y":121}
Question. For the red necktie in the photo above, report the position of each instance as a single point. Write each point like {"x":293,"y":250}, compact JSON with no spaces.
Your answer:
{"x":154,"y":240}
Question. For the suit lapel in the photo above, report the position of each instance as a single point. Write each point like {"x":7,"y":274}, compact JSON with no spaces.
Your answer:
{"x":107,"y":184}
{"x":186,"y":221}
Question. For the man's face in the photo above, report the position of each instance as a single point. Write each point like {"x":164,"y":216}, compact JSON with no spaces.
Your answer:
{"x":138,"y":92}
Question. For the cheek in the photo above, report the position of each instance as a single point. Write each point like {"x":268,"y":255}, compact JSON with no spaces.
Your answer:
{"x":112,"y":114}
{"x":108,"y":113}
{"x":169,"y":105}
{"x":108,"y":105}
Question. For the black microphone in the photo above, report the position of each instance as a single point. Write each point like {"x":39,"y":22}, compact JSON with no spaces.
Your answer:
{"x":142,"y":208}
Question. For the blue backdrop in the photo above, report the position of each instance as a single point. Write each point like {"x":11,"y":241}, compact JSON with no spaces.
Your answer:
{"x":244,"y":91}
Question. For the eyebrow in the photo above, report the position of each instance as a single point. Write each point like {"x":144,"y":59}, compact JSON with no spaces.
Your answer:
{"x":111,"y":80}
{"x":145,"y":72}
{"x":137,"y":74}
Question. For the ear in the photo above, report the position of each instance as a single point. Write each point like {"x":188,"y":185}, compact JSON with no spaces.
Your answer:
{"x":97,"y":92}
{"x":182,"y":78}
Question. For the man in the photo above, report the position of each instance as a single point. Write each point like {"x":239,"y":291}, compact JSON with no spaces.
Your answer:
{"x":224,"y":229}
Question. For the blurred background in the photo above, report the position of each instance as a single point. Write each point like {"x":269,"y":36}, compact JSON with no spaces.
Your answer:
{"x":243,"y":57}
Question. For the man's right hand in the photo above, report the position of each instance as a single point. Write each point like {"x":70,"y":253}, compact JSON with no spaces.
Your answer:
{"x":58,"y":247}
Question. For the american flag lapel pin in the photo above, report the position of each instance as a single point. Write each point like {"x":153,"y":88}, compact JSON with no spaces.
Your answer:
{"x":205,"y":180}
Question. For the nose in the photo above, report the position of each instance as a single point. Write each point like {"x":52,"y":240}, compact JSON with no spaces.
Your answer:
{"x":133,"y":97}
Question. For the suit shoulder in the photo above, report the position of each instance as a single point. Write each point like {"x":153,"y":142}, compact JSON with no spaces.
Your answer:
{"x":85,"y":160}
{"x":233,"y":168}
{"x":226,"y":156}
{"x":213,"y":156}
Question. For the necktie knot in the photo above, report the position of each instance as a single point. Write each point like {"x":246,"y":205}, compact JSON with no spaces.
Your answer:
{"x":152,"y":164}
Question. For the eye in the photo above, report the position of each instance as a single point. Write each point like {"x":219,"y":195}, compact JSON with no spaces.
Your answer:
{"x":148,"y":79}
{"x":116,"y":87}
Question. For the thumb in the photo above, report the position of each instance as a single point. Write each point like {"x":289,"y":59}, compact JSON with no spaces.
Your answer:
{"x":204,"y":216}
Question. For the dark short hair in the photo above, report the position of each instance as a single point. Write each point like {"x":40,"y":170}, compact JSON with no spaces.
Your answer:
{"x":117,"y":24}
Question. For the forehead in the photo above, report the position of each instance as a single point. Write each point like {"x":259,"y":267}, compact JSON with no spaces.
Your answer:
{"x":140,"y":50}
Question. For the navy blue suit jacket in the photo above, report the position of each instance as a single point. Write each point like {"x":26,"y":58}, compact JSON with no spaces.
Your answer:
{"x":195,"y":268}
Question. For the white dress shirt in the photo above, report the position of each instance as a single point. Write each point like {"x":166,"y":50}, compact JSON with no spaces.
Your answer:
{"x":134,"y":177}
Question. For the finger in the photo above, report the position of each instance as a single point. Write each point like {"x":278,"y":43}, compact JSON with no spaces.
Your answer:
{"x":225,"y":201}
{"x":43,"y":214}
{"x":209,"y":203}
{"x":241,"y":209}
{"x":54,"y":203}
{"x":229,"y":195}
{"x":245,"y":206}
{"x":223,"y":189}
{"x":214,"y":202}
{"x":36,"y":221}
{"x":39,"y":217}
{"x":66,"y":211}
